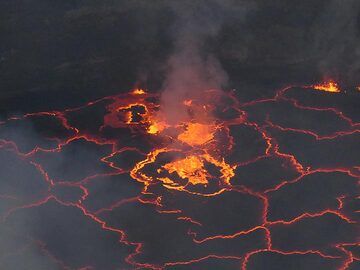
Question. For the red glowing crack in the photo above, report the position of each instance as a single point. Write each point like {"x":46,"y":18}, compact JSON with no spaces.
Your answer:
{"x":271,"y":149}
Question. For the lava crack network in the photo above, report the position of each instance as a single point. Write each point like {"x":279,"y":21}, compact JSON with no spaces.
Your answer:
{"x":240,"y":184}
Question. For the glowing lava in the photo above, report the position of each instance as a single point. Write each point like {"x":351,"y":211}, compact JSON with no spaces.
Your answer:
{"x":138,"y":91}
{"x":191,"y":168}
{"x":156,"y":127}
{"x":197,"y":134}
{"x":329,"y":86}
{"x":185,"y":184}
{"x":182,"y":173}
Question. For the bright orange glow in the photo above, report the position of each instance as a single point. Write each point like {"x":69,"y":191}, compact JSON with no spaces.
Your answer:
{"x":138,"y":91}
{"x":155,"y":124}
{"x":153,"y":129}
{"x":194,"y":140}
{"x":191,"y":168}
{"x":182,"y":167}
{"x":156,"y":127}
{"x":128,"y":117}
{"x":197,"y":134}
{"x":329,"y":86}
{"x":128,"y":113}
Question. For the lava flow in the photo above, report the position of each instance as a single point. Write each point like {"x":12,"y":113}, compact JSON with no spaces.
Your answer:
{"x":236,"y":184}
{"x":189,"y":158}
{"x":329,"y":86}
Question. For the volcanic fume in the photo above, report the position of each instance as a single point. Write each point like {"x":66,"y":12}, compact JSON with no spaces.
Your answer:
{"x":189,"y":177}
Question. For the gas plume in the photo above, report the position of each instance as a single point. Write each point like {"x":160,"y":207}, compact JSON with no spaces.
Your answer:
{"x":192,"y":67}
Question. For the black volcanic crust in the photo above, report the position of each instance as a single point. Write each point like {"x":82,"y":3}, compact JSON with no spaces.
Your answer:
{"x":64,"y":197}
{"x":69,"y":194}
{"x":56,"y":54}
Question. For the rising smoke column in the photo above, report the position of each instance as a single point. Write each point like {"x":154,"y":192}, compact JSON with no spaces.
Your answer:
{"x":192,"y":68}
{"x":336,"y":34}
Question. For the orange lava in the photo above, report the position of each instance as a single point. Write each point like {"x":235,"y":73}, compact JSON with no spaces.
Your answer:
{"x":138,"y":91}
{"x":197,"y":134}
{"x":128,"y":113}
{"x":156,"y":127}
{"x":187,"y":161}
{"x":329,"y":86}
{"x":191,"y":168}
{"x":193,"y":142}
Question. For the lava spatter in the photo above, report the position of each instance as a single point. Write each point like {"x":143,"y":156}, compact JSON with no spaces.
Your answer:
{"x":185,"y":172}
{"x":234,"y":185}
{"x":329,"y":86}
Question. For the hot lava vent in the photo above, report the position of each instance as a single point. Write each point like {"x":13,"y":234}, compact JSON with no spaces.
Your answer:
{"x":190,"y":154}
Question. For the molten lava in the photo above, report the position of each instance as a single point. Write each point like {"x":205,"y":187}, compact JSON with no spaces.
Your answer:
{"x":182,"y":173}
{"x":329,"y":86}
{"x":224,"y":188}
{"x":156,"y":127}
{"x":184,"y":160}
{"x":197,"y":134}
{"x":138,"y":91}
{"x":191,"y":168}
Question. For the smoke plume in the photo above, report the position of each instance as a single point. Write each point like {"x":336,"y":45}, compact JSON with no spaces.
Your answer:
{"x":336,"y":39}
{"x":193,"y":68}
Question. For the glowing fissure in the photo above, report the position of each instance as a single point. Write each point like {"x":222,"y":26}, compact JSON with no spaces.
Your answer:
{"x":192,"y":158}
